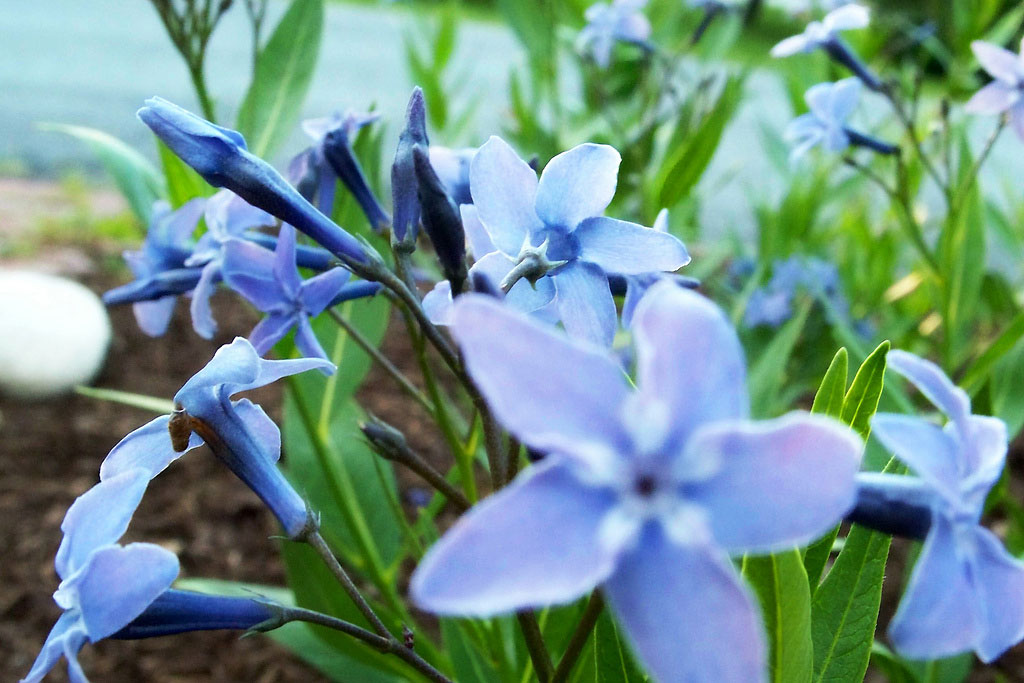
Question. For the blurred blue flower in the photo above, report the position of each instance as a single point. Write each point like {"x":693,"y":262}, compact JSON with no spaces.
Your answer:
{"x":966,"y":591}
{"x":825,"y":124}
{"x":271,"y":282}
{"x":104,"y":586}
{"x":824,"y":34}
{"x":606,"y":23}
{"x":238,"y":432}
{"x":1006,"y":93}
{"x":220,"y":156}
{"x":552,"y":234}
{"x":773,"y":304}
{"x":644,"y":492}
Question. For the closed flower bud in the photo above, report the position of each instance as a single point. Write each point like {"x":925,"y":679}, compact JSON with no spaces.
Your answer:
{"x":403,"y":172}
{"x":441,"y":220}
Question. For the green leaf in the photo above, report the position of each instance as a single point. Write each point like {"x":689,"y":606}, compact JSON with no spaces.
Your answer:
{"x":139,"y":182}
{"x":780,"y":582}
{"x":768,"y":372}
{"x":861,"y":400}
{"x":1003,"y":344}
{"x":470,"y":665}
{"x":830,"y":396}
{"x":613,"y":660}
{"x":282,"y":77}
{"x":183,"y":183}
{"x":154,"y":404}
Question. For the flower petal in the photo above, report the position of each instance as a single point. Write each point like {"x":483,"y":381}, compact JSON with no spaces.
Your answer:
{"x":66,"y":636}
{"x":533,"y":544}
{"x":504,"y":191}
{"x":266,"y":432}
{"x":847,"y":17}
{"x":153,"y":317}
{"x":999,"y":579}
{"x":759,"y":501}
{"x":928,"y":450}
{"x":577,"y":184}
{"x":249,"y":270}
{"x":999,"y":62}
{"x":97,"y":518}
{"x":938,"y":615}
{"x":148,"y":447}
{"x":202,"y":317}
{"x":686,"y":613}
{"x":309,"y":345}
{"x":987,"y":444}
{"x":585,"y":303}
{"x":437,"y":303}
{"x":552,"y":392}
{"x":932,"y":382}
{"x":523,"y":296}
{"x":792,"y":45}
{"x":843,"y":99}
{"x":140,"y":572}
{"x":627,"y":248}
{"x":319,"y":291}
{"x":270,"y":330}
{"x":480,"y":243}
{"x":285,"y":272}
{"x":994,"y":98}
{"x":689,"y":357}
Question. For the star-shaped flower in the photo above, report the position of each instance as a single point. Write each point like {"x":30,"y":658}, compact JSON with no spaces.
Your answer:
{"x":1006,"y":93}
{"x":606,"y":23}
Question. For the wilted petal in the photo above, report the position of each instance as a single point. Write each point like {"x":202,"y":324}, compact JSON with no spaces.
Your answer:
{"x":504,"y":191}
{"x":585,"y":303}
{"x":760,"y":500}
{"x":148,"y":447}
{"x":627,"y":248}
{"x":999,"y":62}
{"x":688,"y":356}
{"x":938,"y":615}
{"x":686,"y":612}
{"x":577,"y":184}
{"x":139,"y":571}
{"x":994,"y":98}
{"x":97,"y":518}
{"x":554,"y":393}
{"x":928,"y":450}
{"x":532,"y":544}
{"x":999,"y":580}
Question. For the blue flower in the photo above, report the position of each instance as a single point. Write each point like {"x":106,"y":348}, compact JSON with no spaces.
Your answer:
{"x":104,"y":586}
{"x":825,"y":124}
{"x":824,"y":34}
{"x":966,"y":591}
{"x":1006,"y":93}
{"x":645,"y":492}
{"x":271,"y":282}
{"x":606,"y":23}
{"x":238,"y":432}
{"x":554,"y":228}
{"x":773,"y":304}
{"x":219,"y":155}
{"x":452,"y":167}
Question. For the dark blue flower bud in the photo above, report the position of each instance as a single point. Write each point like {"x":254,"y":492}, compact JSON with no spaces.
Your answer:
{"x":405,"y":202}
{"x":167,"y":283}
{"x":893,"y":504}
{"x":219,"y":155}
{"x":441,"y":219}
{"x":177,"y":611}
{"x":337,"y":151}
{"x":841,"y":53}
{"x":862,"y":140}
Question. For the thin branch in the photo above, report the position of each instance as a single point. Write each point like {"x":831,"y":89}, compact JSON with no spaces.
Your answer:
{"x":535,"y":645}
{"x":579,"y":637}
{"x":317,"y":542}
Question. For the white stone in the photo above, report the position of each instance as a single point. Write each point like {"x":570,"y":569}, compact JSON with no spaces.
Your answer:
{"x":54,"y":334}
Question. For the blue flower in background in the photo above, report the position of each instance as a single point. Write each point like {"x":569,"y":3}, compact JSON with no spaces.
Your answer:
{"x":645,"y":492}
{"x":773,"y":304}
{"x":104,"y":586}
{"x":271,"y":282}
{"x":555,"y":229}
{"x":606,"y":23}
{"x":452,"y":167}
{"x":824,"y":34}
{"x":1006,"y":93}
{"x":167,"y":245}
{"x":966,"y":591}
{"x":238,"y":432}
{"x":310,"y":170}
{"x":825,"y":124}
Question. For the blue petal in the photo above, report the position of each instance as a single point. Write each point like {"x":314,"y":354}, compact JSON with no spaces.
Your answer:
{"x":689,"y":357}
{"x":577,"y":184}
{"x":148,"y":447}
{"x":932,"y":382}
{"x":480,"y":243}
{"x":284,"y":262}
{"x":66,"y":638}
{"x":585,"y":303}
{"x":309,"y":345}
{"x":153,"y":317}
{"x":686,"y":613}
{"x":939,"y":613}
{"x":438,"y":304}
{"x":265,"y":430}
{"x":249,"y":270}
{"x":317,"y":293}
{"x":271,"y":330}
{"x":552,"y":392}
{"x":994,"y":98}
{"x":119,"y":583}
{"x":759,"y":500}
{"x":97,"y":518}
{"x":627,"y":248}
{"x":928,"y":450}
{"x":999,"y":62}
{"x":986,"y":446}
{"x":504,"y":191}
{"x":202,"y":316}
{"x":999,"y":578}
{"x":533,"y":544}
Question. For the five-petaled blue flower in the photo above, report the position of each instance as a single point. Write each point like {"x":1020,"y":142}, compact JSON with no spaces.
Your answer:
{"x":645,"y":493}
{"x":104,"y":585}
{"x":606,"y":23}
{"x":830,"y":105}
{"x":824,"y":34}
{"x":773,"y":304}
{"x":271,"y":281}
{"x":1006,"y":93}
{"x":966,"y":591}
{"x":238,"y":432}
{"x":556,"y":224}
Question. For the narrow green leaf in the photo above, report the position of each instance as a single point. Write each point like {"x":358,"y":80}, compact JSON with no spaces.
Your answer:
{"x":780,"y":583}
{"x":980,"y":368}
{"x":183,"y":183}
{"x":470,"y":665}
{"x":282,"y":77}
{"x":135,"y":177}
{"x":769,"y":371}
{"x":861,"y":400}
{"x":613,"y":660}
{"x":832,"y":390}
{"x":153,"y":404}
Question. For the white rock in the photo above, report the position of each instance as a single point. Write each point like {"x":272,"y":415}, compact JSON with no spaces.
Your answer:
{"x":54,"y":334}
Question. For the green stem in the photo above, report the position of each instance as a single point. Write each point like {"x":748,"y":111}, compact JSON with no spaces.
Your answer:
{"x":317,"y":542}
{"x":535,"y":645}
{"x":579,"y":637}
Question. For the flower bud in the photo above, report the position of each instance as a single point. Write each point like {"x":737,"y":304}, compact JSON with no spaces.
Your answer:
{"x":403,"y":171}
{"x":441,"y":220}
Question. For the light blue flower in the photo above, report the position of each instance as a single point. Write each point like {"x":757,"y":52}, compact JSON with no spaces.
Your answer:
{"x":831,"y":104}
{"x":645,"y":492}
{"x":555,"y":226}
{"x":824,"y":34}
{"x":1006,"y":93}
{"x":238,"y":432}
{"x":966,"y":591}
{"x":271,"y":282}
{"x":607,"y":23}
{"x":104,"y":586}
{"x":773,"y":304}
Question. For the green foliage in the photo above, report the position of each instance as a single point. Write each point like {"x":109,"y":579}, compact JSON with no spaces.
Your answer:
{"x":780,"y":582}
